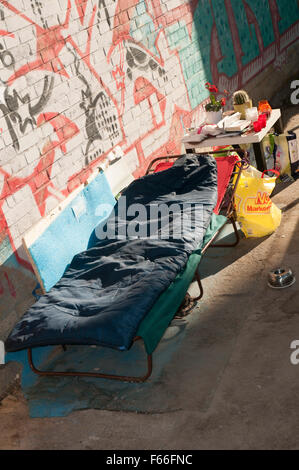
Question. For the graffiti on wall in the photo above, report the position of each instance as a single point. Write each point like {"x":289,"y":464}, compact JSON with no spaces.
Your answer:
{"x":84,"y":77}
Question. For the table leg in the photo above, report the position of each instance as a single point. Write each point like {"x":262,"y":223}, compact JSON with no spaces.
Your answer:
{"x":259,"y":157}
{"x":278,"y":126}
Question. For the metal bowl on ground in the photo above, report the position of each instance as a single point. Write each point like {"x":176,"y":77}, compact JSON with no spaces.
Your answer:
{"x":280,"y":278}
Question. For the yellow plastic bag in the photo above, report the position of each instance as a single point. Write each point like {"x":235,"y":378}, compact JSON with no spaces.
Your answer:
{"x":257,"y":215}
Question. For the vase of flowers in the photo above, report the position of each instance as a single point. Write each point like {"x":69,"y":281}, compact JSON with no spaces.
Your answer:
{"x":215,"y":107}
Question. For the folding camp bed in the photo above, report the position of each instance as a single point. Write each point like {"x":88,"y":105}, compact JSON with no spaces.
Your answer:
{"x":158,"y":318}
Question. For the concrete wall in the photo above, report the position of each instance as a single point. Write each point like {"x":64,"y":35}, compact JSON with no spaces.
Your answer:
{"x":81,"y":79}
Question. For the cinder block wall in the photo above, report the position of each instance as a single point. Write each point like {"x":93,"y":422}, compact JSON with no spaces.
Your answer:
{"x":80,"y":79}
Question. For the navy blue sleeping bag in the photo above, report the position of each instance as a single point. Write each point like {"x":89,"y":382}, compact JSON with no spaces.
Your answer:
{"x":109,"y":288}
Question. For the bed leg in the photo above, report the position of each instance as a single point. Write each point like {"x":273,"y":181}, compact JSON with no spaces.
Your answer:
{"x":237,"y":236}
{"x":197,"y":277}
{"x":93,"y":374}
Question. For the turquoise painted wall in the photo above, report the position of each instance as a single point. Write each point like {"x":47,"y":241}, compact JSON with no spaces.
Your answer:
{"x":237,"y":31}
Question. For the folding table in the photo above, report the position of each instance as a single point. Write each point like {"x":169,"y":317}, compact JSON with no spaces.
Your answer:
{"x":193,"y":141}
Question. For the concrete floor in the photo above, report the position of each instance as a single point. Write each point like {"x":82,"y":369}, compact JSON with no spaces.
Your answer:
{"x":229,"y":385}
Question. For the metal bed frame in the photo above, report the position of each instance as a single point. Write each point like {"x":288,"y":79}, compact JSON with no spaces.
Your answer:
{"x":229,"y":213}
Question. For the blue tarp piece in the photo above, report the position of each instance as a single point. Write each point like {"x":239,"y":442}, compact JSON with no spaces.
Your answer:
{"x":69,"y":233}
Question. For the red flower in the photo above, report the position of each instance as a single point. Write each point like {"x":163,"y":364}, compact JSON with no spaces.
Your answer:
{"x":213,"y":89}
{"x":223,"y":102}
